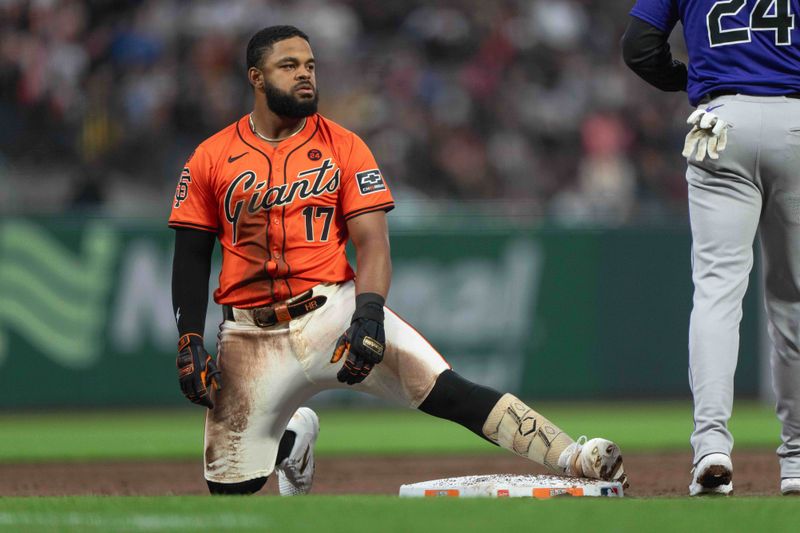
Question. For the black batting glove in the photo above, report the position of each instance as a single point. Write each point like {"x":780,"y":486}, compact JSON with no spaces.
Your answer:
{"x":364,"y":342}
{"x":197,"y":370}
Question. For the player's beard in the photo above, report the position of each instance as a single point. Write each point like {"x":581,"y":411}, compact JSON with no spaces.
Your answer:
{"x":286,"y":104}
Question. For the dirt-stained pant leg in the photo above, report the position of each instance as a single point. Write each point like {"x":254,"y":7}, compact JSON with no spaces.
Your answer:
{"x":724,"y":208}
{"x":780,"y":240}
{"x":410,"y":365}
{"x":409,"y":368}
{"x":269,"y":372}
{"x":263,"y":386}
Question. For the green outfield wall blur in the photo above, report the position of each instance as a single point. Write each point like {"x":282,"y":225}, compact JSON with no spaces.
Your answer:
{"x":546,"y":312}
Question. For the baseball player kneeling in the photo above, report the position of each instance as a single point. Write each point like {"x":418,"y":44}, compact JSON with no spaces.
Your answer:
{"x":283,"y":189}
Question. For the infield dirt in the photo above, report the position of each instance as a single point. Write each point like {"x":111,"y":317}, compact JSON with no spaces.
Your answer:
{"x":662,"y":474}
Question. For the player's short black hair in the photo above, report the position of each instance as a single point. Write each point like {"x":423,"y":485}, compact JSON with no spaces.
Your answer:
{"x":264,"y":39}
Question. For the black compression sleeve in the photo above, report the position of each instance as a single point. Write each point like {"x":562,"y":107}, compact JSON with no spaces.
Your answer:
{"x":647,"y":53}
{"x":191,"y":268}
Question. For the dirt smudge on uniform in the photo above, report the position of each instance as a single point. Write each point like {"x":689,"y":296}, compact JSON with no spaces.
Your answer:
{"x":243,"y":360}
{"x":415,"y":374}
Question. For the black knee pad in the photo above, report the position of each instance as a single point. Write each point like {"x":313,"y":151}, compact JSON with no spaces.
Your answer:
{"x":460,"y":400}
{"x":250,"y":486}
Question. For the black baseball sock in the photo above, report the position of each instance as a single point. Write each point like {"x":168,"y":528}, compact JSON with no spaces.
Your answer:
{"x":462,"y":401}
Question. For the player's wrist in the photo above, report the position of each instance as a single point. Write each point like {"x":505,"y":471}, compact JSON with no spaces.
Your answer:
{"x":188,"y":339}
{"x":369,"y":305}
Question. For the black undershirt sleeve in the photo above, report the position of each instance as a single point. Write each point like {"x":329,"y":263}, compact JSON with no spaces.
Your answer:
{"x":191,"y":269}
{"x":646,"y":51}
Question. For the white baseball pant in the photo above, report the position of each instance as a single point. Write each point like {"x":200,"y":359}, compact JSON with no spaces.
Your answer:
{"x":269,"y":372}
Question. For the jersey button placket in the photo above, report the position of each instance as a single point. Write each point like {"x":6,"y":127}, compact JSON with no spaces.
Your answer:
{"x":276,"y":221}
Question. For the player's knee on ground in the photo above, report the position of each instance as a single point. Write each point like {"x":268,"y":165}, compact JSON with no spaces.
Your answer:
{"x":244,"y":488}
{"x":460,"y":400}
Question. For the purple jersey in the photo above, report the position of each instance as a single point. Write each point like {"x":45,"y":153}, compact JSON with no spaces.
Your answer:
{"x":746,"y":46}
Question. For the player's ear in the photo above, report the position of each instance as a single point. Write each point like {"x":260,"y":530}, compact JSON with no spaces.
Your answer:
{"x":256,"y":77}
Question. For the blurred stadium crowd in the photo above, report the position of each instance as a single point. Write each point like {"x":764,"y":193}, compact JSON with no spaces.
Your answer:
{"x":522,"y":106}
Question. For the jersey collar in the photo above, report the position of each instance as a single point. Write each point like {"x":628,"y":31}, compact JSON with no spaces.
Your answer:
{"x":253,"y":139}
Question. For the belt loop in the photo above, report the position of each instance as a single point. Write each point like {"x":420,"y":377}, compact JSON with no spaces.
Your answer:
{"x":282,"y":312}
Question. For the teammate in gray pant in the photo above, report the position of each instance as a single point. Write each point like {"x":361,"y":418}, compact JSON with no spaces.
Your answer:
{"x":744,"y":76}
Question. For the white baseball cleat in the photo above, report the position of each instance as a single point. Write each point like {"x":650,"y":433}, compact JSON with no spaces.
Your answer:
{"x":595,"y":458}
{"x":790,"y":486}
{"x":712,"y":476}
{"x":296,"y":472}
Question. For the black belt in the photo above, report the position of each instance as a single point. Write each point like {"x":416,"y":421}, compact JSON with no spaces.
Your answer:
{"x":716,"y":94}
{"x":281,"y":312}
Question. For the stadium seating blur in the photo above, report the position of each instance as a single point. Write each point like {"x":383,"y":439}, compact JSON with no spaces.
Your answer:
{"x":519,"y":106}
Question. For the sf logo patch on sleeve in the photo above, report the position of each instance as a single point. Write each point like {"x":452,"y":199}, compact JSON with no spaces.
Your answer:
{"x":182,"y":190}
{"x":370,"y":181}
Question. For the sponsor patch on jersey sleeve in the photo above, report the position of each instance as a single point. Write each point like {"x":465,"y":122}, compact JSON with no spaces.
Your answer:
{"x":370,"y":181}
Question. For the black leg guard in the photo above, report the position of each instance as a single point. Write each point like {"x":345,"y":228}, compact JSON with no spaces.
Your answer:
{"x":244,"y":488}
{"x":457,"y":399}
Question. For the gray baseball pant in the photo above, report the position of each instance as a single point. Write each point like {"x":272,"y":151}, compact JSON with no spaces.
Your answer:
{"x":753,"y":186}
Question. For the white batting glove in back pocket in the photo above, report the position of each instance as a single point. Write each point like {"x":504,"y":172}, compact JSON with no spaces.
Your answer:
{"x":709,"y":135}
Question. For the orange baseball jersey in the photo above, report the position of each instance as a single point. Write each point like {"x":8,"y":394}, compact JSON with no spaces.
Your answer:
{"x":279,"y":212}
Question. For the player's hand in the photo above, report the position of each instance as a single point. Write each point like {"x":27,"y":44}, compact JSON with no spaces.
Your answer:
{"x":709,"y":134}
{"x":364,"y":342}
{"x":197,"y":370}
